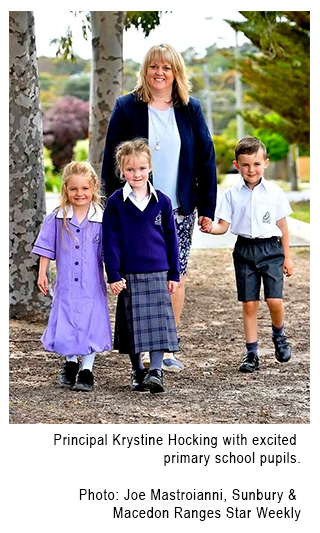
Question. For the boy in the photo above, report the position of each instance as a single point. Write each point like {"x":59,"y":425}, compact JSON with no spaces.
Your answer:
{"x":257,"y":211}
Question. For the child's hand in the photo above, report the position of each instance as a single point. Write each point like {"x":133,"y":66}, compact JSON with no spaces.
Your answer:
{"x":118,"y":286}
{"x":43,"y":283}
{"x":287,"y":267}
{"x":172,"y":286}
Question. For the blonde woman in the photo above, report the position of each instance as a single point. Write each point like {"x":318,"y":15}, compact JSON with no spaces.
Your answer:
{"x":183,"y":158}
{"x":79,"y":322}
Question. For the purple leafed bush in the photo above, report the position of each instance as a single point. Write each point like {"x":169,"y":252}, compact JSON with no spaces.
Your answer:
{"x":64,"y":124}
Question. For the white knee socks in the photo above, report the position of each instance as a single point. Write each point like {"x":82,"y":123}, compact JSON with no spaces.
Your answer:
{"x":87,"y":361}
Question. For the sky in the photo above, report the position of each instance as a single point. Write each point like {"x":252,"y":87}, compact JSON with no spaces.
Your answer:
{"x":180,"y":28}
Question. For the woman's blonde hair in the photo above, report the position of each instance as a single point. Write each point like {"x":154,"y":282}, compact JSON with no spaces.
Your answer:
{"x":135,"y":147}
{"x":78,"y":168}
{"x":181,"y":84}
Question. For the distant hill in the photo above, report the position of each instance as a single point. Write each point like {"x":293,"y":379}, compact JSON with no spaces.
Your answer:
{"x":58,"y":67}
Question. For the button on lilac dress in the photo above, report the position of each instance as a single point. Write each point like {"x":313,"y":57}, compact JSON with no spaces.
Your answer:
{"x":79,"y":321}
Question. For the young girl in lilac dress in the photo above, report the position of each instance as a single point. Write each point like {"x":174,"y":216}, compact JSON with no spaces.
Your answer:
{"x":142,"y":263}
{"x":79,"y":324}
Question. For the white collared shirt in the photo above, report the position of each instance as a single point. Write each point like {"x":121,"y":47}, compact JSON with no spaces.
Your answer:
{"x":128,"y":193}
{"x":253,"y":213}
{"x":95,"y":213}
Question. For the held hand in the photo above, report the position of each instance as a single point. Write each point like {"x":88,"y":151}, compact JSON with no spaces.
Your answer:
{"x":206,"y":227}
{"x":43,"y":283}
{"x":172,"y":286}
{"x":118,"y":286}
{"x":287,"y":267}
{"x":204,"y":221}
{"x":215,"y":228}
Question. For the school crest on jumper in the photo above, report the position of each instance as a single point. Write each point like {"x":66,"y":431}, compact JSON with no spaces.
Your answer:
{"x":96,"y":239}
{"x":158,"y":219}
{"x":266,"y":218}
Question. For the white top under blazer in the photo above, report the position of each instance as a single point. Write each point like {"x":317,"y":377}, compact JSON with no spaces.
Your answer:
{"x":163,"y":130}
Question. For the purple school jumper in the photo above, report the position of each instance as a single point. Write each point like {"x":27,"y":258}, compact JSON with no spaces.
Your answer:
{"x":79,"y":321}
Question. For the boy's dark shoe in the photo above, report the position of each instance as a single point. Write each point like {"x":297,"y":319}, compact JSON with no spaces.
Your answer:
{"x":84,"y":381}
{"x":153,"y":381}
{"x":67,"y":374}
{"x":136,"y":380}
{"x":249,"y":363}
{"x":282,"y":348}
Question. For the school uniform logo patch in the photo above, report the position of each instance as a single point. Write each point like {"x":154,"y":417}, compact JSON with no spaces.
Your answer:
{"x":266,"y":218}
{"x":158,"y":219}
{"x":96,"y":239}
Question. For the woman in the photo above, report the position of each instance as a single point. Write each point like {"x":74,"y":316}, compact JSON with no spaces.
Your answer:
{"x":183,"y":158}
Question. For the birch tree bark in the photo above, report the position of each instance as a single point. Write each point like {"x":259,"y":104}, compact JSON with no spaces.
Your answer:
{"x":26,"y":172}
{"x":106,"y":77}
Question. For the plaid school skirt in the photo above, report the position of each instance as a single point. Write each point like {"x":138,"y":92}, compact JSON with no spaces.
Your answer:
{"x":144,"y":316}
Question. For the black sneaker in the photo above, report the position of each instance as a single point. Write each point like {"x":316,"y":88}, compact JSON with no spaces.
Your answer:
{"x":136,"y":380}
{"x":153,"y":381}
{"x":67,"y":374}
{"x":282,"y":348}
{"x":249,"y":363}
{"x":84,"y":381}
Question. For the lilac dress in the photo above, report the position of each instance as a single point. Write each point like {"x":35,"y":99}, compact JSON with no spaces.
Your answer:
{"x":79,"y":321}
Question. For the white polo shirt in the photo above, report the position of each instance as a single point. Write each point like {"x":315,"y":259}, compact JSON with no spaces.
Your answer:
{"x":253,"y":213}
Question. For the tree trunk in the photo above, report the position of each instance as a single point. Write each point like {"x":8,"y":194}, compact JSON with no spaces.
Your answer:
{"x":106,"y":78}
{"x":293,"y":167}
{"x":26,"y":173}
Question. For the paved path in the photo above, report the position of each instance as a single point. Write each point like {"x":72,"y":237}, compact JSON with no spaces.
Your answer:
{"x":299,"y":233}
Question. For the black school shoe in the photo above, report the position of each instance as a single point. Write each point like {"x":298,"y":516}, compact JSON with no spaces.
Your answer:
{"x":282,"y":348}
{"x":154,"y":381}
{"x":68,"y":373}
{"x":84,"y":381}
{"x":249,"y":363}
{"x":137,"y":379}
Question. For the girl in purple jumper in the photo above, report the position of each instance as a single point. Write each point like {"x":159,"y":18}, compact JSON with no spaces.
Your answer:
{"x":142,"y":264}
{"x":79,"y":322}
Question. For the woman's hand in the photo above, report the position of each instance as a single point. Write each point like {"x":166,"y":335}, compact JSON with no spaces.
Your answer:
{"x":204,"y":221}
{"x":206,"y":224}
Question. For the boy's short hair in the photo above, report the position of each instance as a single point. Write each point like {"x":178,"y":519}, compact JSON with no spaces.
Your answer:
{"x":249,"y":145}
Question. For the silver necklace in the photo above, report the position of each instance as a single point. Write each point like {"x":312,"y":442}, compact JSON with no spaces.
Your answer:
{"x":158,"y":141}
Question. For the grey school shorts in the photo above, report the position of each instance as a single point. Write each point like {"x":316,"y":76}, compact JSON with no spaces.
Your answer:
{"x":256,"y":259}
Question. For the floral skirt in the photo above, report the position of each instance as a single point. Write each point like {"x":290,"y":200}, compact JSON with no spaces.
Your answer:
{"x":185,"y":227}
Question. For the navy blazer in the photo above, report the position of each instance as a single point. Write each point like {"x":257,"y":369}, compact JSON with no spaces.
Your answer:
{"x":197,"y":180}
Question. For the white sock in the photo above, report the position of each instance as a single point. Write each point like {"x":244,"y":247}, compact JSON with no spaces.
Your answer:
{"x":72,"y":358}
{"x":87,"y":361}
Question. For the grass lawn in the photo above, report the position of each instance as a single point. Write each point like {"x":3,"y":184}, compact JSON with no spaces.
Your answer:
{"x":301,"y":211}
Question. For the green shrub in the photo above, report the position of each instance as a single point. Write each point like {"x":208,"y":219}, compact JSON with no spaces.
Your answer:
{"x":224,"y":148}
{"x":81,"y":150}
{"x":52,"y":178}
{"x":277,"y":146}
